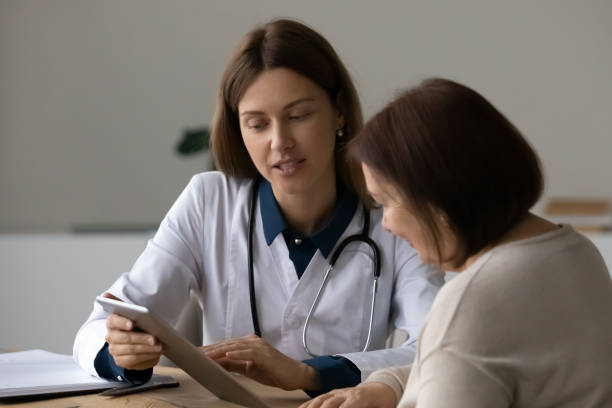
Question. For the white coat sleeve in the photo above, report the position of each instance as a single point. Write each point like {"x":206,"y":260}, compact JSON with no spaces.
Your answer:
{"x":414,"y":288}
{"x":161,"y":278}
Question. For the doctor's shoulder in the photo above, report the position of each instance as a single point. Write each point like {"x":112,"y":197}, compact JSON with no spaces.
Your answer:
{"x":208,"y":197}
{"x":214,"y":190}
{"x":217,"y":187}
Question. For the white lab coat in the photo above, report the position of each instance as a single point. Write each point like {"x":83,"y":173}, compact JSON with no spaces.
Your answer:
{"x":201,"y":246}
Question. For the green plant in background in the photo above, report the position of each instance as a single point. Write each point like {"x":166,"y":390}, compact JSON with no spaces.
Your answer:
{"x":195,"y":140}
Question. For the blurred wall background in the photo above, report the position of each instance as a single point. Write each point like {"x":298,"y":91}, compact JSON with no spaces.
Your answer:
{"x":94,"y":95}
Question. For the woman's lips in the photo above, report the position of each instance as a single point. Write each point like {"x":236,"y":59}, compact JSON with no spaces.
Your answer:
{"x":289,"y":168}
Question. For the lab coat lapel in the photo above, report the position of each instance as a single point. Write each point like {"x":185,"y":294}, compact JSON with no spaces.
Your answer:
{"x":282,"y":265}
{"x":272,"y":277}
{"x":238,"y":320}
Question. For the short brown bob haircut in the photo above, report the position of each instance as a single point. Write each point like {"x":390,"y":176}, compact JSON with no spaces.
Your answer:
{"x":287,"y":44}
{"x":447,"y":149}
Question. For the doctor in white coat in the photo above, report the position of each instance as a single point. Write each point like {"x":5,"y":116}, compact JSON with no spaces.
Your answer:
{"x":286,"y":110}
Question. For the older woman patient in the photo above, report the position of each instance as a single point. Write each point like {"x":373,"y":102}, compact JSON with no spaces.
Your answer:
{"x":528,"y":321}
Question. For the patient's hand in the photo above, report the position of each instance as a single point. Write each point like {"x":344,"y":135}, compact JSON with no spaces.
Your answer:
{"x":366,"y":395}
{"x":130,"y":349}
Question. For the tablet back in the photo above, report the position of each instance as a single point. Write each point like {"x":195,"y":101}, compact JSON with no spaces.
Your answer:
{"x":185,"y":355}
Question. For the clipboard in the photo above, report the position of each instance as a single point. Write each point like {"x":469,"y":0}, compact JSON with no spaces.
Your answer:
{"x":37,"y":374}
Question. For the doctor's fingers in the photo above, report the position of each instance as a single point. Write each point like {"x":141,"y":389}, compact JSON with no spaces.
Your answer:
{"x":235,"y":366}
{"x":257,"y":355}
{"x":134,"y":349}
{"x":219,"y":349}
{"x":130,"y":337}
{"x":117,"y":322}
{"x":235,"y":343}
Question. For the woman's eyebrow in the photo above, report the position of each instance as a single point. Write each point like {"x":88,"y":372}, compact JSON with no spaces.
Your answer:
{"x":287,"y":106}
{"x":298,"y":101}
{"x":252,"y":113}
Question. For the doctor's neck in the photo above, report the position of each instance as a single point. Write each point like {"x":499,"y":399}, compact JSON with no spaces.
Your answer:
{"x":308,"y":211}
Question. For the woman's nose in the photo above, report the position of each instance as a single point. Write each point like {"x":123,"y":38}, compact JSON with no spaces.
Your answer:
{"x":281,"y":138}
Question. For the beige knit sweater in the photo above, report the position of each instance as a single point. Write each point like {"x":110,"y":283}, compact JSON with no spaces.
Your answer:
{"x":529,"y":324}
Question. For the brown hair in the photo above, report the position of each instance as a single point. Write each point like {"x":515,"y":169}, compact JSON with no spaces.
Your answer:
{"x":288,"y":44}
{"x":446,"y":148}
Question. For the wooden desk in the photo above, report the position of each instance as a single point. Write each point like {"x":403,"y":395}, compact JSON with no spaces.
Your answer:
{"x":188,"y":394}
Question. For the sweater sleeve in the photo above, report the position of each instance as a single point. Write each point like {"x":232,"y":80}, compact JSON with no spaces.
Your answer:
{"x":394,"y":377}
{"x":447,"y":379}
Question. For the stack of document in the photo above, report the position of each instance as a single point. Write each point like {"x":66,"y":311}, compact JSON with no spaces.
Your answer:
{"x":39,"y":372}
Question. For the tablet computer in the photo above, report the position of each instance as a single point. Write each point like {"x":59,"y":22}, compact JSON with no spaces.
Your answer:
{"x":185,"y":355}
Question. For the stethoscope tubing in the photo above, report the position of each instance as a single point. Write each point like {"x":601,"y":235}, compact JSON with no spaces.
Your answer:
{"x":362,"y":237}
{"x":254,"y":315}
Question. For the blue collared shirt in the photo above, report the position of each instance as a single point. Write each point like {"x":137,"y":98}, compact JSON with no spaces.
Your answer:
{"x":334,"y":371}
{"x":302,"y":248}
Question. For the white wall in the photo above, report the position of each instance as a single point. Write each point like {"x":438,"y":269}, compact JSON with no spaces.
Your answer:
{"x":48,"y":283}
{"x":93,"y":94}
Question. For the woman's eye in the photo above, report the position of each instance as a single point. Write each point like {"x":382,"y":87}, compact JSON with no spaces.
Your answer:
{"x":255,"y":125}
{"x":299,"y":116}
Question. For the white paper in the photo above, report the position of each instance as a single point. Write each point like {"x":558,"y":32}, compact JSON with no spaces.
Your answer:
{"x":35,"y":371}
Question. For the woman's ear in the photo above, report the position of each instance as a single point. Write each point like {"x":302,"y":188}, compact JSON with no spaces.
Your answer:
{"x":340,"y":121}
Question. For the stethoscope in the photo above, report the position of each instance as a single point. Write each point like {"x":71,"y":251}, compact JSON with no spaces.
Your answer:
{"x":362,"y":237}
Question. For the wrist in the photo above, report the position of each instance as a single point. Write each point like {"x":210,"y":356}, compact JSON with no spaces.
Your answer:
{"x":310,"y":378}
{"x":385,"y":394}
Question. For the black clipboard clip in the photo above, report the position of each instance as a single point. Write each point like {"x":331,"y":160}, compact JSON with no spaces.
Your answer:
{"x":157,"y":381}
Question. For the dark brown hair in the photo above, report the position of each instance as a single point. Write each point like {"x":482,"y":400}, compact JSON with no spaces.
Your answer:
{"x":448,"y":150}
{"x":288,"y":44}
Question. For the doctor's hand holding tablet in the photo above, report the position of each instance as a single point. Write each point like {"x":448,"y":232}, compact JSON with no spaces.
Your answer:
{"x":250,"y":355}
{"x":299,"y":283}
{"x":134,"y":350}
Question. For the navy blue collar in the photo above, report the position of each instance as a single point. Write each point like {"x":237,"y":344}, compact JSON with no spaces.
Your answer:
{"x":324,"y":239}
